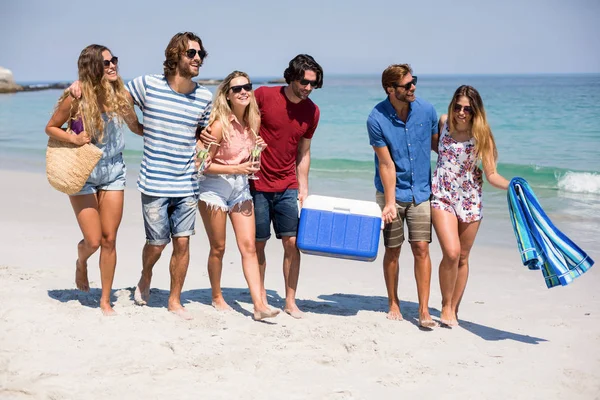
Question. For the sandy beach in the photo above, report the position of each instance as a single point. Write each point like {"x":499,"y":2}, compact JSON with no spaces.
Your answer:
{"x":516,"y":339}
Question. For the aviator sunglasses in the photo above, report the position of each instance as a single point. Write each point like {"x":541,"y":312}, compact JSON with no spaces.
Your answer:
{"x":237,"y":89}
{"x":408,"y":85}
{"x":114,"y":60}
{"x":467,"y":109}
{"x":191,"y":53}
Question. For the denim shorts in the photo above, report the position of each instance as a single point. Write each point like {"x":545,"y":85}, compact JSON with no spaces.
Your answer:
{"x":225,"y":191}
{"x":109,"y":174}
{"x":279,"y":207}
{"x":166,"y":217}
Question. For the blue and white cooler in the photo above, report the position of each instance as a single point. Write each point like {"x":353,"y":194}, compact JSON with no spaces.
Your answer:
{"x":341,"y":228}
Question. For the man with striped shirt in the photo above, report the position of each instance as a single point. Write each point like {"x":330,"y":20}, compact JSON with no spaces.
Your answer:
{"x":173,"y":107}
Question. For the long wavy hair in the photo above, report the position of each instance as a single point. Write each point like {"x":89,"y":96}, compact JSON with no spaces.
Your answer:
{"x":485,"y":146}
{"x":222,"y":107}
{"x":97,"y":92}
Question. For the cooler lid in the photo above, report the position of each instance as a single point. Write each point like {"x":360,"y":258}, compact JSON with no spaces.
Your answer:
{"x":341,"y":205}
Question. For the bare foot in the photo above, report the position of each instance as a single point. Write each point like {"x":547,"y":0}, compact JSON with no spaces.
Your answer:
{"x":266,"y":313}
{"x":221,"y":305}
{"x":141,"y":296}
{"x":294,"y":311}
{"x":448,"y":320}
{"x":81,"y":277}
{"x":107,"y":310}
{"x":394,"y":313}
{"x":425,"y":321}
{"x":181,"y":312}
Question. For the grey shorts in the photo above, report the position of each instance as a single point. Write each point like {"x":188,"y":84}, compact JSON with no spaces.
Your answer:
{"x":418,"y":221}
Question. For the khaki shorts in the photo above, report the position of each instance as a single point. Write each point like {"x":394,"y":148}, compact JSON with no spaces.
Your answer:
{"x":418,"y":220}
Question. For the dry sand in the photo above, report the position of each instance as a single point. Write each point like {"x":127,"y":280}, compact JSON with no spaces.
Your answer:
{"x":517,"y":339}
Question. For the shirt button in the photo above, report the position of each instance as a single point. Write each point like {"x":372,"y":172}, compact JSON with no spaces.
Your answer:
{"x":409,"y":144}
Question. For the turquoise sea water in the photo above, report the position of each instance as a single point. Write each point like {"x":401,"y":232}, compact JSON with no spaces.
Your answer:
{"x":547,"y":130}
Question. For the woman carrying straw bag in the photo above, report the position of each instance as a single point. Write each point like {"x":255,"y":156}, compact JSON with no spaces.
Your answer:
{"x":98,"y":118}
{"x":234,"y":122}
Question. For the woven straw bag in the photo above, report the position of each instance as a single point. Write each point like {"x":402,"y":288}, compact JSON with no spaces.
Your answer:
{"x":68,"y":166}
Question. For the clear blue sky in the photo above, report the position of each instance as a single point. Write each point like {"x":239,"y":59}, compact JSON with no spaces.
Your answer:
{"x":41,"y":39}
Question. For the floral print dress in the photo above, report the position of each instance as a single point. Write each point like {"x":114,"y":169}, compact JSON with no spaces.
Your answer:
{"x":457,"y":180}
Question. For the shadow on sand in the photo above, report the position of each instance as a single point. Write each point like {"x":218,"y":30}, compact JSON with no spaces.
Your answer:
{"x":338,"y":304}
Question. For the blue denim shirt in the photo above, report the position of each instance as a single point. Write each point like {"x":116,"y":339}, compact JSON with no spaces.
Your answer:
{"x":409,"y":145}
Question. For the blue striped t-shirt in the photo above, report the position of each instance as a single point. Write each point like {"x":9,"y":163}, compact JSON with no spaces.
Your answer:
{"x":170,"y":122}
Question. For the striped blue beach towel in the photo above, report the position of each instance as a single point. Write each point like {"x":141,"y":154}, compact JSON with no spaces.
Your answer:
{"x":541,"y":244}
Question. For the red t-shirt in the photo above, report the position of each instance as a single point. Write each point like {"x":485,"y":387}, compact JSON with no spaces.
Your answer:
{"x":282,"y":125}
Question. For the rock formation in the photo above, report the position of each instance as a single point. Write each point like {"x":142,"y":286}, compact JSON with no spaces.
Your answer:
{"x":7,"y":82}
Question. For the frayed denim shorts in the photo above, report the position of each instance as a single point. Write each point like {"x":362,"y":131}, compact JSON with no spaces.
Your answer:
{"x":109,"y":174}
{"x":225,"y":191}
{"x":166,"y":217}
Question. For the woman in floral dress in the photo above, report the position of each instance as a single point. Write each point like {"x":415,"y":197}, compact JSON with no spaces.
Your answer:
{"x":465,"y":140}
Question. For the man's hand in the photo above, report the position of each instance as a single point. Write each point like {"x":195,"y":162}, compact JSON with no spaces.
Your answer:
{"x":206,"y":138}
{"x":302,"y":195}
{"x":389,"y":213}
{"x":75,"y":89}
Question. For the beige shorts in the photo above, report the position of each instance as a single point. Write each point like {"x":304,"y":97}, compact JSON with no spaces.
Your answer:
{"x":418,"y":220}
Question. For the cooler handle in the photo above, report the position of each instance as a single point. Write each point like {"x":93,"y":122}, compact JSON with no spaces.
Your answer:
{"x":342,"y":210}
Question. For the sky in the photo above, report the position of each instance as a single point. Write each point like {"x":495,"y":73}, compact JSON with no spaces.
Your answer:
{"x":40,"y":40}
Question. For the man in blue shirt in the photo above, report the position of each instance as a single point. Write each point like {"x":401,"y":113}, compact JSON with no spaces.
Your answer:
{"x":401,"y":129}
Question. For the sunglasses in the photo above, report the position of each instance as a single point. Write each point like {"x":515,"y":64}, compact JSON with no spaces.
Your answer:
{"x":191,"y":53}
{"x":114,"y":61}
{"x":408,"y":85}
{"x":459,"y":108}
{"x":236,"y":89}
{"x":305,"y":82}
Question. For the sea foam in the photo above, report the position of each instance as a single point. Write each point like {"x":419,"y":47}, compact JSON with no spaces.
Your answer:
{"x":580,"y":182}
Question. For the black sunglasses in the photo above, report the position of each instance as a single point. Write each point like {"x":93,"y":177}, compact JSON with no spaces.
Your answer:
{"x":305,"y":82}
{"x":114,"y":60}
{"x":236,"y":89}
{"x":467,"y":109}
{"x":191,"y":53}
{"x":408,"y":85}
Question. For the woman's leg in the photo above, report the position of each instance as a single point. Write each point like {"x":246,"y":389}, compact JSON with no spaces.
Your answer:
{"x":86,"y":211}
{"x":110,"y":206}
{"x":215,"y":221}
{"x":446,"y":228}
{"x":467,"y":233}
{"x":242,"y":219}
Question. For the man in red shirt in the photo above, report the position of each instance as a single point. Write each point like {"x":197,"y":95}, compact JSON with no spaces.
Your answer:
{"x":288,"y":121}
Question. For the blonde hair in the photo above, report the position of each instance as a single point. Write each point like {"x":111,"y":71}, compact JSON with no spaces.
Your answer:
{"x":485,"y":145}
{"x":222,"y":108}
{"x":97,"y":91}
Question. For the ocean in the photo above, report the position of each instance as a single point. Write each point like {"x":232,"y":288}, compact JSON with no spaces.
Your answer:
{"x":547,"y":129}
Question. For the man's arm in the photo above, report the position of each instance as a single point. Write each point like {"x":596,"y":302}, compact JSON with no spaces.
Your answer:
{"x":387,"y":173}
{"x":302,"y":168}
{"x":131,"y":119}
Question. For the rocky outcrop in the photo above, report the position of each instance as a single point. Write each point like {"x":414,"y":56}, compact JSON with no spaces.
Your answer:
{"x":7,"y":82}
